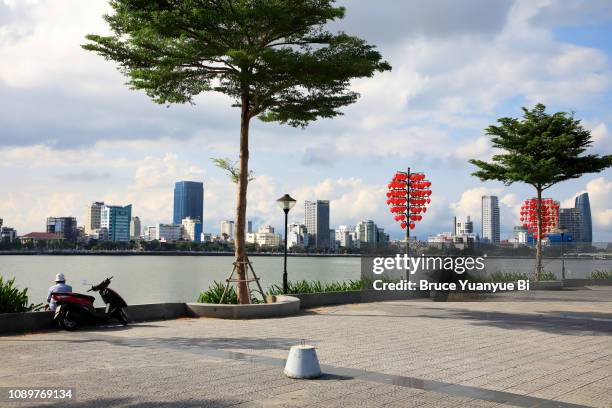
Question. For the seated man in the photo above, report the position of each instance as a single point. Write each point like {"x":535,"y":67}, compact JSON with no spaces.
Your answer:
{"x":59,"y":287}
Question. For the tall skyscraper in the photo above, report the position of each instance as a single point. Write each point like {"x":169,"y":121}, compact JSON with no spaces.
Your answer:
{"x":490,"y":219}
{"x":66,"y":226}
{"x":584,"y":206}
{"x":188,"y":201}
{"x":367,"y":232}
{"x":135,"y":228}
{"x":116,"y":221}
{"x":92,"y":216}
{"x":464,"y":225}
{"x":316,"y":219}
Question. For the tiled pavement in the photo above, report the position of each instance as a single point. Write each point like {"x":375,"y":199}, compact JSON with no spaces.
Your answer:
{"x":553,"y":350}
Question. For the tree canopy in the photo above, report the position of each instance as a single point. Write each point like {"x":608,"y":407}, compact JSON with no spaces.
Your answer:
{"x":540,"y":149}
{"x":277,"y":52}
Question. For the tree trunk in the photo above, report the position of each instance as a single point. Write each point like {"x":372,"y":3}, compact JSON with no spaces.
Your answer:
{"x":538,"y":264}
{"x":241,"y":203}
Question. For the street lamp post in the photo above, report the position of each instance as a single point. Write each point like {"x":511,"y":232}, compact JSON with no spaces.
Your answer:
{"x":286,"y":203}
{"x":562,"y":231}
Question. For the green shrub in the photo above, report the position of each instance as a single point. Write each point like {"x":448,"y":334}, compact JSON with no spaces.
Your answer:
{"x":548,"y":276}
{"x":13,"y":300}
{"x":215,"y":291}
{"x":601,"y":274}
{"x":305,"y":286}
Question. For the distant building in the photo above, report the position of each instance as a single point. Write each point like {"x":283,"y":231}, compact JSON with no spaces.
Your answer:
{"x":188,"y":201}
{"x":443,"y":239}
{"x":116,"y":219}
{"x":150,"y":233}
{"x":571,"y":219}
{"x":490,"y":219}
{"x":206,"y":237}
{"x":169,"y":232}
{"x":93,"y":213}
{"x":135,"y":228}
{"x":41,"y":237}
{"x":344,"y":235}
{"x":249,"y":226}
{"x":463,"y":225}
{"x":192,"y":229}
{"x":381,"y":238}
{"x":366,"y":232}
{"x":316,"y":219}
{"x":227,"y":230}
{"x":521,"y":234}
{"x":265,"y":236}
{"x":583,"y":204}
{"x":297,"y":235}
{"x":333,"y":244}
{"x":8,"y":234}
{"x":66,"y":226}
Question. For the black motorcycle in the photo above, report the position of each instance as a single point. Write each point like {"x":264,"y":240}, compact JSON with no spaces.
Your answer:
{"x":74,"y":309}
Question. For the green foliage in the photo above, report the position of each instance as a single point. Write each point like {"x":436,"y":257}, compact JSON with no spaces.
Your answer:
{"x":13,"y":300}
{"x":305,"y":286}
{"x":548,"y":276}
{"x":273,"y":55}
{"x":215,"y":291}
{"x":506,"y":276}
{"x":231,"y":168}
{"x":601,"y":274}
{"x":541,"y":150}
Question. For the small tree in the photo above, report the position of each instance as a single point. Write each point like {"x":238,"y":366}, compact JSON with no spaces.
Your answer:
{"x":272,"y":57}
{"x":541,"y":150}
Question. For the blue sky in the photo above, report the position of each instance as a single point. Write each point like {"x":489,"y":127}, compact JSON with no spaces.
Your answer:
{"x":72,"y":133}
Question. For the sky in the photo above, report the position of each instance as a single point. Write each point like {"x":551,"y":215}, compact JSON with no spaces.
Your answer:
{"x":71,"y":132}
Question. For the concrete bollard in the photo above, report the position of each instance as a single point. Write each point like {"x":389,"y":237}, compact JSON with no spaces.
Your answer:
{"x":302,"y":362}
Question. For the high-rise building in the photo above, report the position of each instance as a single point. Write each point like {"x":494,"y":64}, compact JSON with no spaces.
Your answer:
{"x":571,"y":219}
{"x":583,"y":204}
{"x":490,"y":219}
{"x":316,"y":218}
{"x":367,"y":232}
{"x":192,"y":229}
{"x":227,"y":230}
{"x":66,"y":226}
{"x":297,"y":235}
{"x":464,"y":225}
{"x":344,"y":235}
{"x":116,"y":220}
{"x":249,"y":228}
{"x":7,"y":234}
{"x":92,"y":217}
{"x":135,"y":228}
{"x":188,"y":201}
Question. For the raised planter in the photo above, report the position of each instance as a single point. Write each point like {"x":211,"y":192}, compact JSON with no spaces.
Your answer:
{"x":284,"y":306}
{"x":577,"y":283}
{"x":12,"y":323}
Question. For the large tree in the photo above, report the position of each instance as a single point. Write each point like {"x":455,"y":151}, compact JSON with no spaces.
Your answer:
{"x":274,"y":58}
{"x":541,"y":150}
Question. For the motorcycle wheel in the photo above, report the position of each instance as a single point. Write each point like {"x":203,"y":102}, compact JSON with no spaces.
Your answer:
{"x":122,"y":317}
{"x":68,"y":321}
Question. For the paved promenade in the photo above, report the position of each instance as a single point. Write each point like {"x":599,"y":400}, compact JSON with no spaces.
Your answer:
{"x":551,"y":349}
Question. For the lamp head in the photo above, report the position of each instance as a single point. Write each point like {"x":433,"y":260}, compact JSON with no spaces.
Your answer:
{"x":286,"y":202}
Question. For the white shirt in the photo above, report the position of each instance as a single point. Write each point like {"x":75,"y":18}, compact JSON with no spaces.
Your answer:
{"x":57,"y":288}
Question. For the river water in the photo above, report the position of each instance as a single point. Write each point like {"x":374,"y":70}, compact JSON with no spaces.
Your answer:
{"x":152,"y":279}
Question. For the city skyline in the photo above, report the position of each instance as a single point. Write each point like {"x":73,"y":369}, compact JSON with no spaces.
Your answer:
{"x":448,"y":83}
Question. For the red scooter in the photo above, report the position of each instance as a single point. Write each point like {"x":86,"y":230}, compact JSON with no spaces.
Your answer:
{"x":75,"y":308}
